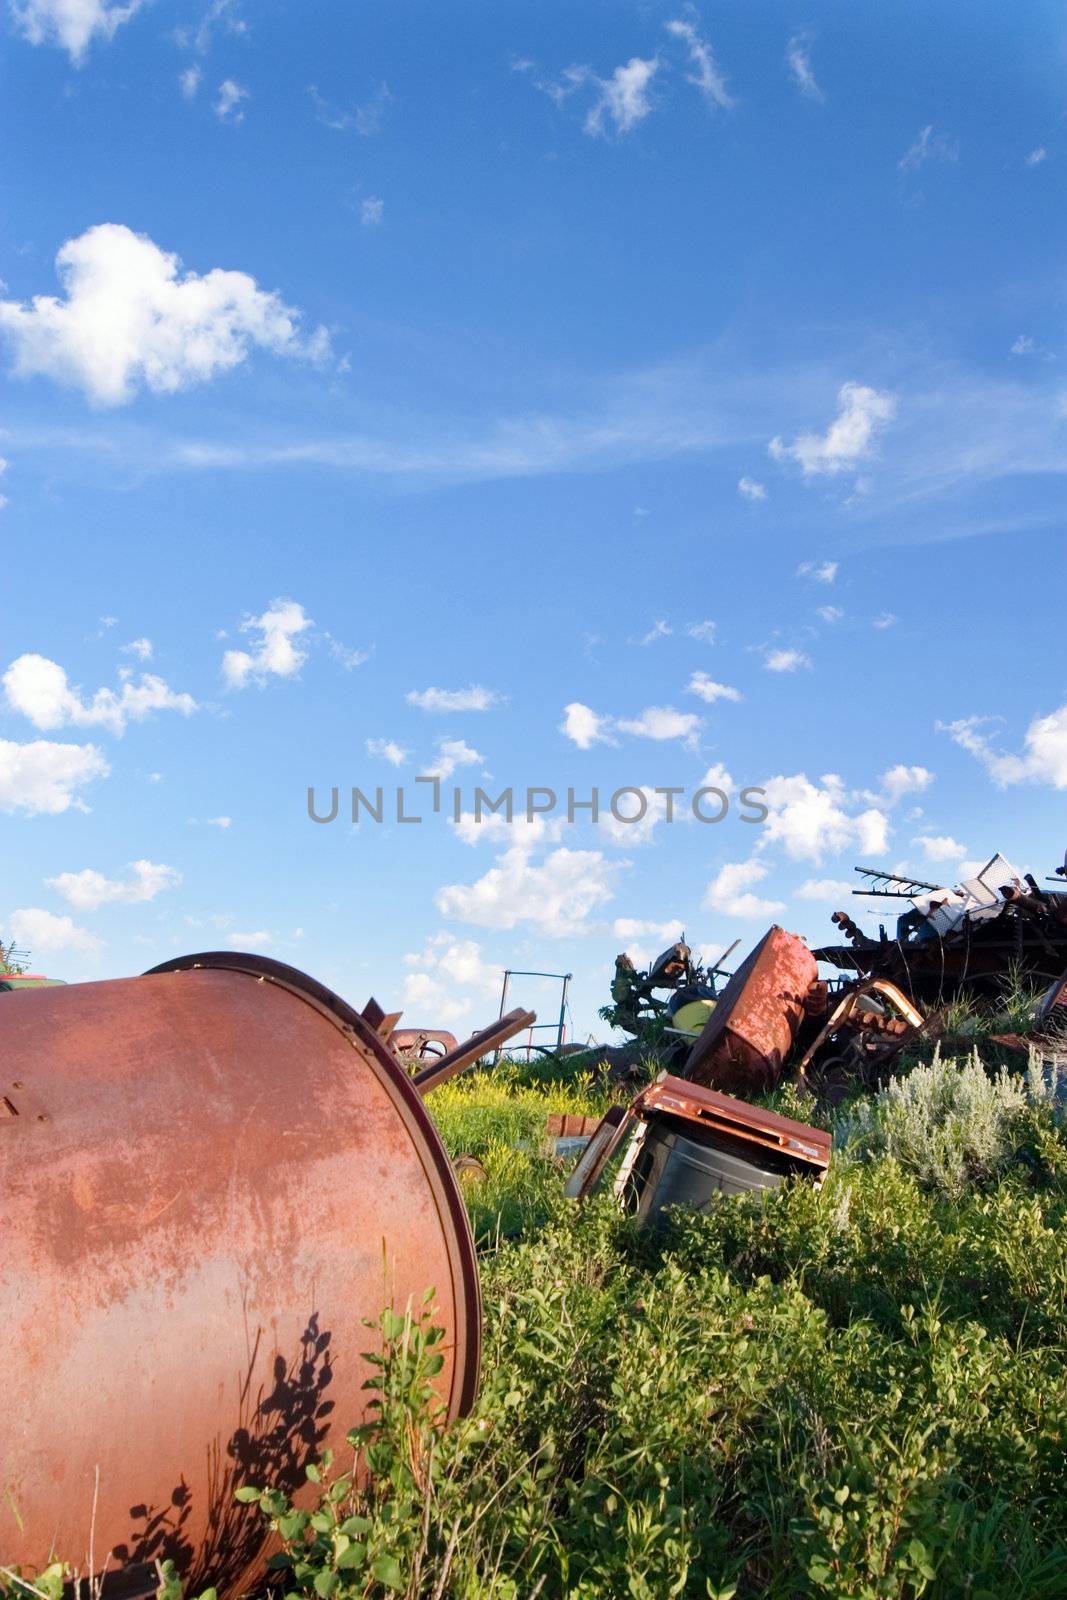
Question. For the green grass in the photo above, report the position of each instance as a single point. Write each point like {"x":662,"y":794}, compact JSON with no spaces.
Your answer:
{"x":860,"y":1392}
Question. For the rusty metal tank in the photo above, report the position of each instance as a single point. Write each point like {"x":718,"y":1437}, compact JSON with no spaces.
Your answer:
{"x":752,"y":1029}
{"x":210,"y":1175}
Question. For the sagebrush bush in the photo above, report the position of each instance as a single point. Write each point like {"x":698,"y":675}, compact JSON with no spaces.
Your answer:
{"x":951,"y":1123}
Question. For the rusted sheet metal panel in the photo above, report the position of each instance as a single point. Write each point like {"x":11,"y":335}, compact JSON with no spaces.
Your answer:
{"x":211,"y":1176}
{"x":752,"y":1029}
{"x":736,"y":1120}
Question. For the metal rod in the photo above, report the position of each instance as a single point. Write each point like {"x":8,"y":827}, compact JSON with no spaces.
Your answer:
{"x":562,"y":1012}
{"x":500,"y":1013}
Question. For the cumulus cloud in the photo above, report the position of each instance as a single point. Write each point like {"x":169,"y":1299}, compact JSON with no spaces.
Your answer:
{"x":940,"y":847}
{"x":372,"y":211}
{"x":1035,"y":158}
{"x":706,"y":75}
{"x":900,"y":780}
{"x":42,"y":777}
{"x":585,"y":727}
{"x":704,"y":631}
{"x":811,"y":820}
{"x":729,"y":891}
{"x":439,"y":700}
{"x":862,"y":413}
{"x":662,"y":722}
{"x":259,"y":940}
{"x":39,"y":689}
{"x":710,"y":691}
{"x":228,"y":101}
{"x":829,"y":614}
{"x":658,"y":630}
{"x":820,"y":571}
{"x":129,"y":318}
{"x":800,"y":66}
{"x":449,"y":974}
{"x":749,"y":489}
{"x":189,"y":82}
{"x":835,"y":891}
{"x":556,"y":895}
{"x":276,"y":654}
{"x":622,"y":99}
{"x":71,"y":24}
{"x":46,"y":934}
{"x":1044,"y":758}
{"x":785,"y":660}
{"x":450,"y":754}
{"x":388,"y":750}
{"x":88,"y":890}
{"x":635,"y":928}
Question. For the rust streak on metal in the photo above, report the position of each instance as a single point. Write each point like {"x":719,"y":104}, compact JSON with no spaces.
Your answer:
{"x":751,"y":1031}
{"x":478,"y":1045}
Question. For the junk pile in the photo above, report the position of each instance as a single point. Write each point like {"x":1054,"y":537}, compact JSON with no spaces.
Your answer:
{"x":211,"y":1175}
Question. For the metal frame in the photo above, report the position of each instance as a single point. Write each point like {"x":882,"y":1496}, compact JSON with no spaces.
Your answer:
{"x":561,"y":977}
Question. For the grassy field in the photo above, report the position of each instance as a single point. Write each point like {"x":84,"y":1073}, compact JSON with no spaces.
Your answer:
{"x":860,"y":1392}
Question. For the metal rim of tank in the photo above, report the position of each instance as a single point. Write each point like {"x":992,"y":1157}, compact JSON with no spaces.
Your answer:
{"x":408,"y":1102}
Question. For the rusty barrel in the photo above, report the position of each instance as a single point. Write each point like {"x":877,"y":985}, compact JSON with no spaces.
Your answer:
{"x":748,"y":1036}
{"x":211,"y":1174}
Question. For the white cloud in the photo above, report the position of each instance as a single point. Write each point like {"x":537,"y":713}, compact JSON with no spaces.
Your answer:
{"x":710,"y":691}
{"x":1035,"y":158}
{"x":219,"y":822}
{"x":128,"y":319}
{"x":820,"y":571}
{"x":44,"y":934}
{"x":451,"y":753}
{"x":473,"y":699}
{"x":662,"y":722}
{"x":634,"y":928}
{"x":900,"y":780}
{"x":639,"y":830}
{"x":556,"y":896}
{"x":829,"y":613}
{"x":44,"y":777}
{"x":704,"y":631}
{"x":828,"y":890}
{"x":585,"y":727}
{"x":623,"y":97}
{"x":71,"y":24}
{"x":372,"y":211}
{"x":348,"y":656}
{"x":189,"y":82}
{"x":88,"y":890}
{"x":260,"y":940}
{"x":141,"y":648}
{"x":800,"y":66}
{"x":785,"y":660}
{"x":862,"y":413}
{"x":717,"y":777}
{"x":1024,"y":345}
{"x":750,"y":489}
{"x":884,"y":620}
{"x":228,"y":103}
{"x":658,"y":630}
{"x":276,"y":654}
{"x":810,"y":820}
{"x":729,"y":893}
{"x":38,"y":688}
{"x":388,"y":750}
{"x":443,"y":968}
{"x":706,"y":75}
{"x":928,"y":146}
{"x":940,"y":847}
{"x":1045,"y":757}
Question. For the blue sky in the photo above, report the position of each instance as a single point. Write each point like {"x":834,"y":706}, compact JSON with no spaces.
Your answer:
{"x":699,"y":372}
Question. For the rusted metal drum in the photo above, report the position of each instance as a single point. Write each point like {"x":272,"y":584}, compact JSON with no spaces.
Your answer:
{"x":210,"y":1175}
{"x":751,"y":1031}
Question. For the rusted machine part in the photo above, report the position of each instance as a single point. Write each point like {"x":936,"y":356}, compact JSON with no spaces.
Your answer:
{"x":420,"y":1046}
{"x":858,"y":1042}
{"x":473,"y":1049}
{"x":211,"y":1175}
{"x":751,"y":1031}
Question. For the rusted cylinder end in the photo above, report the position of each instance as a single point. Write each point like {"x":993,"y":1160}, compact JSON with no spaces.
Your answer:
{"x":211,"y":1175}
